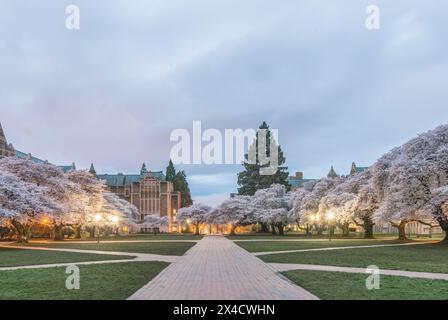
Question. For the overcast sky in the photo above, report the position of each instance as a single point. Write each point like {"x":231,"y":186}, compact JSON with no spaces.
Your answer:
{"x":112,"y":92}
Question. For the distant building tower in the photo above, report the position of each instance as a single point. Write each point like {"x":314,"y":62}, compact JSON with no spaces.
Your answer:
{"x":355,"y":169}
{"x":332,"y":174}
{"x":6,"y":150}
{"x":144,"y":171}
{"x":92,"y":170}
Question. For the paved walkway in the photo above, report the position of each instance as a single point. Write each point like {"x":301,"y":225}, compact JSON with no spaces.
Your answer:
{"x":343,"y":248}
{"x":281,"y":267}
{"x":218,"y":269}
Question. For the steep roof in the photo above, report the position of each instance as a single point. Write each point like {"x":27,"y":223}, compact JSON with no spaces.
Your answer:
{"x":23,"y":155}
{"x":2,"y":134}
{"x":296,"y":183}
{"x":332,"y":173}
{"x":121,"y":180}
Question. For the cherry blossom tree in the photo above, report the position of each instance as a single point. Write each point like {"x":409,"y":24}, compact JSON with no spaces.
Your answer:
{"x":408,"y":180}
{"x":297,"y":204}
{"x":341,"y":205}
{"x":354,"y":200}
{"x":155,"y":222}
{"x":50,"y":179}
{"x":234,"y":212}
{"x":22,"y":204}
{"x":196,"y":214}
{"x":86,"y":200}
{"x":310,"y":210}
{"x":272,"y":207}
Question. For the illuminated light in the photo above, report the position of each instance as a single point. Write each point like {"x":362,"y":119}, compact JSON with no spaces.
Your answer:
{"x":114,"y":219}
{"x":45,"y":221}
{"x":188,"y":221}
{"x":98,"y":217}
{"x":330,"y":215}
{"x":313,"y":218}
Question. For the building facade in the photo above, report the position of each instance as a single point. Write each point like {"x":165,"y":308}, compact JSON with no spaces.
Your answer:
{"x":6,"y":150}
{"x":148,"y":191}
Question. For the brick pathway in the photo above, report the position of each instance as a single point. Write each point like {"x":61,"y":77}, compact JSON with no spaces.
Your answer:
{"x":281,"y":267}
{"x":218,"y":269}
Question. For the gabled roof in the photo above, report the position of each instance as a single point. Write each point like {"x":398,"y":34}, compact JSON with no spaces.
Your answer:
{"x":67,"y":168}
{"x":296,"y":183}
{"x":332,"y":174}
{"x":23,"y":155}
{"x":121,"y":180}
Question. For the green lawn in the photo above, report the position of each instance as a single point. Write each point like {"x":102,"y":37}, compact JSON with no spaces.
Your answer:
{"x":163,"y":248}
{"x":168,"y":236}
{"x":97,"y":282}
{"x":263,"y":246}
{"x":425,"y":258}
{"x":19,"y":257}
{"x":379,"y":236}
{"x":349,"y":286}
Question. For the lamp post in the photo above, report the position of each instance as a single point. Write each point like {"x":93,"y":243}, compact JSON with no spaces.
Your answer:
{"x":330,"y":217}
{"x":98,"y":220}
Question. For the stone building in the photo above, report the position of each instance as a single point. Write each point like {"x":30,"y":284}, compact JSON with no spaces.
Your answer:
{"x":148,"y":191}
{"x":6,"y":150}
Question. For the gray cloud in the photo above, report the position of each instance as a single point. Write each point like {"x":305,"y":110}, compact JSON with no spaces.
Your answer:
{"x":112,"y":92}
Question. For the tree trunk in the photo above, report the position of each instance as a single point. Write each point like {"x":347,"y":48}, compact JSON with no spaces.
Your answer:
{"x":443,"y":222}
{"x":264,"y":228}
{"x":320,"y":230}
{"x":77,"y":232}
{"x":57,"y":229}
{"x":368,"y":228}
{"x":331,"y":230}
{"x":307,"y":230}
{"x":22,"y":231}
{"x":402,"y":230}
{"x":274,"y":232}
{"x":197,"y":230}
{"x":281,"y":230}
{"x":92,"y":232}
{"x":345,"y":230}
